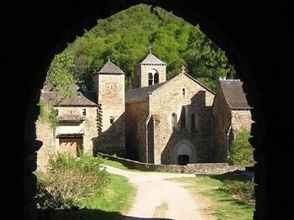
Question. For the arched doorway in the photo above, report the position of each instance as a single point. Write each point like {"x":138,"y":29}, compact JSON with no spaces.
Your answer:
{"x":184,"y":153}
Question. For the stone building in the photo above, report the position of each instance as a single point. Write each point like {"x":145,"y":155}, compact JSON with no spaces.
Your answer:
{"x":231,"y":113}
{"x":170,"y":120}
{"x":175,"y":121}
{"x":88,"y":121}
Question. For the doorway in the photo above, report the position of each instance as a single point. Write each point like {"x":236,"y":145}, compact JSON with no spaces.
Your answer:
{"x":183,"y":159}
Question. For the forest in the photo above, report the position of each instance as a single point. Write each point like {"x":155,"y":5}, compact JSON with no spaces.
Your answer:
{"x":126,"y":37}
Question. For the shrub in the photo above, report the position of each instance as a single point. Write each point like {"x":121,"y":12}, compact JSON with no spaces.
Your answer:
{"x":70,"y":180}
{"x":244,"y":191}
{"x":241,"y":152}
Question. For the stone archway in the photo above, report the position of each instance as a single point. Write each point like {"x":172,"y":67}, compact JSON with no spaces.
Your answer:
{"x":48,"y":35}
{"x":184,"y":152}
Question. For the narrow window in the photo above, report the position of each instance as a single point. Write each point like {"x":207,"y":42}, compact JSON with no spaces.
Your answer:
{"x":156,"y":78}
{"x":183,"y":118}
{"x":111,"y":119}
{"x":174,"y":121}
{"x":84,"y":112}
{"x":184,"y":91}
{"x":193,"y":122}
{"x":150,"y":79}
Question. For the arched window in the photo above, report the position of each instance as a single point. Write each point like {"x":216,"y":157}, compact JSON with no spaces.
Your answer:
{"x":156,"y":78}
{"x":150,"y":79}
{"x":183,"y":118}
{"x":174,"y":121}
{"x":184,"y":91}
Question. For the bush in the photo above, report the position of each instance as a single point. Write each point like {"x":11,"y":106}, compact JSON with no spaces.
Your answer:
{"x":244,"y":191}
{"x":70,"y":180}
{"x":241,"y":152}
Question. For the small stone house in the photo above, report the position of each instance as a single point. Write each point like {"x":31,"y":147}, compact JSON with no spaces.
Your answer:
{"x":231,"y":113}
{"x":175,"y":121}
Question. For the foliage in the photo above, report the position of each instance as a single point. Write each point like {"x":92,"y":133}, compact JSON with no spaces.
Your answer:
{"x":126,"y":37}
{"x":48,"y":114}
{"x":243,"y":191}
{"x":70,"y":180}
{"x":118,"y":195}
{"x":60,"y":75}
{"x":241,"y":152}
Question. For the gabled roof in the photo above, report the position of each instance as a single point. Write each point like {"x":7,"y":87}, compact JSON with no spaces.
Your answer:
{"x":140,"y":94}
{"x":234,"y":94}
{"x":151,"y":59}
{"x":79,"y":99}
{"x":110,"y":68}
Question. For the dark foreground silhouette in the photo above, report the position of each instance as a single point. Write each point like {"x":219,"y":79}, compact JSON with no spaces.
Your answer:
{"x":86,"y":214}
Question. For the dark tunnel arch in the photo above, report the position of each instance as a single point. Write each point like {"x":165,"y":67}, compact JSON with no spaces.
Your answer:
{"x":212,"y":21}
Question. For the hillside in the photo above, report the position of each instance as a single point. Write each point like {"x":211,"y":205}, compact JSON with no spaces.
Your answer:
{"x":126,"y":37}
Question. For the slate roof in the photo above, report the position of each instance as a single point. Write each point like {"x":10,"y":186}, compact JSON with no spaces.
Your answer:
{"x":234,"y":94}
{"x":80,"y":99}
{"x":111,"y":68}
{"x":139,"y":94}
{"x":151,"y":59}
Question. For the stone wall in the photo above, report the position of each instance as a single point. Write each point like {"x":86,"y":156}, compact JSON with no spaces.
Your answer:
{"x":111,"y":113}
{"x":44,"y":134}
{"x":176,"y":95}
{"x":136,"y":115}
{"x":222,"y":120}
{"x":197,"y":168}
{"x":241,"y":119}
{"x":47,"y":134}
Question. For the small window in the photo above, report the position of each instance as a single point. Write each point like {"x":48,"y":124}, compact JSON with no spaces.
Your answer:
{"x":84,"y":112}
{"x":183,"y":118}
{"x":156,"y":78}
{"x":150,"y":79}
{"x":184,"y":91}
{"x":174,"y":121}
{"x":111,"y":120}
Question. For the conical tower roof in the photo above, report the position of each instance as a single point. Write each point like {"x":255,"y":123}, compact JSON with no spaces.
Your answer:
{"x":110,"y":68}
{"x":151,"y":59}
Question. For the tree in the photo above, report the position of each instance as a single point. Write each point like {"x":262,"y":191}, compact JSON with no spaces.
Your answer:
{"x":126,"y":36}
{"x":241,"y":151}
{"x":61,"y":75}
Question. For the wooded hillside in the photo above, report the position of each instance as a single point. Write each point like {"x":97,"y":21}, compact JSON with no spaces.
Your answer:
{"x":126,"y":38}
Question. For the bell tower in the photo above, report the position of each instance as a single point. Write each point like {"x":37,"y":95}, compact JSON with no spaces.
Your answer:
{"x":110,"y":91}
{"x":151,"y":71}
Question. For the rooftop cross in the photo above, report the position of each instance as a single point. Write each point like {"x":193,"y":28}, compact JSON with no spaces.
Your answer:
{"x":183,"y":69}
{"x":150,"y":47}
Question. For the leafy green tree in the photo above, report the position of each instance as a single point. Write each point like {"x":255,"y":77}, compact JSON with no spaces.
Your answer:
{"x":126,"y":37}
{"x":241,"y":151}
{"x":61,"y":74}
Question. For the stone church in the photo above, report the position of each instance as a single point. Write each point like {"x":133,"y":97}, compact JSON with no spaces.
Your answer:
{"x":175,"y":121}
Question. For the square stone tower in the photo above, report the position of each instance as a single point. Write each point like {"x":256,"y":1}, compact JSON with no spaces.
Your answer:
{"x":151,"y":71}
{"x":110,"y":88}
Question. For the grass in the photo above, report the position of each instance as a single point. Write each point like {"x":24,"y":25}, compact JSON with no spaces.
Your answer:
{"x":224,"y":205}
{"x":117,"y":197}
{"x":113,"y":163}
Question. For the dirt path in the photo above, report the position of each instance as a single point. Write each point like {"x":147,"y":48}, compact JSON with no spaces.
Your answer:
{"x":160,"y":198}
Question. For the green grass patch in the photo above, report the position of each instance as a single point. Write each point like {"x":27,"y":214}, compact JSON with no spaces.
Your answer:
{"x":113,"y":163}
{"x":224,"y":204}
{"x":118,"y":196}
